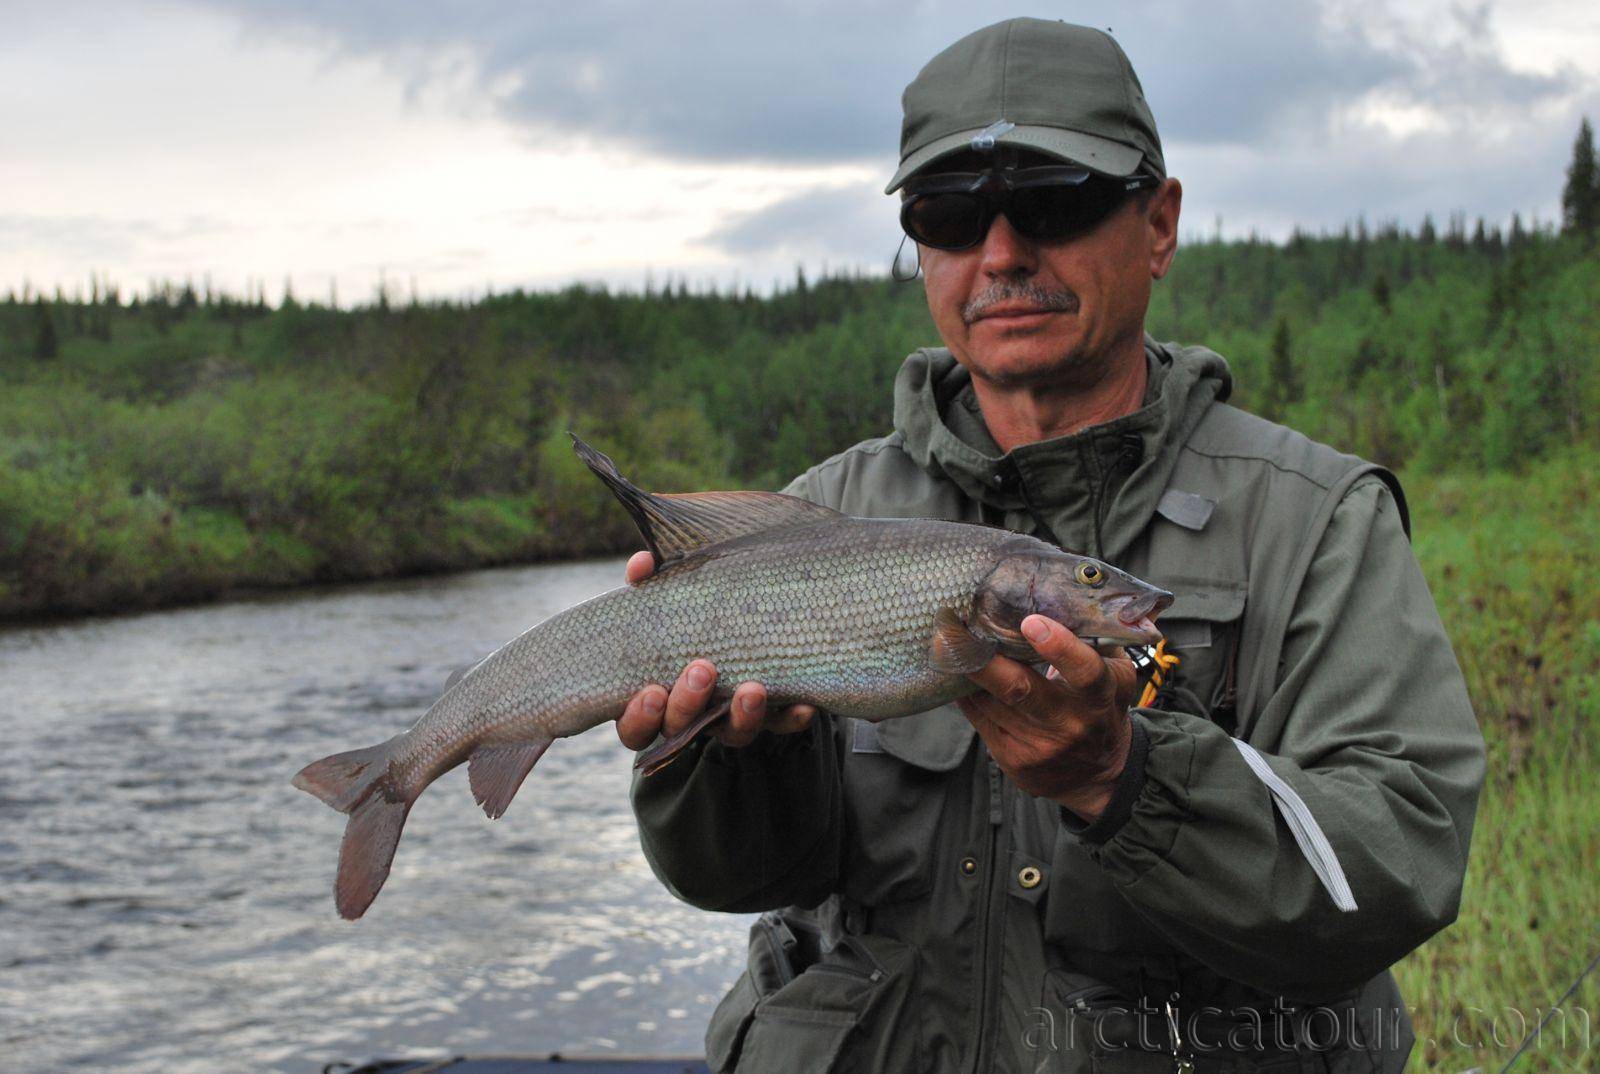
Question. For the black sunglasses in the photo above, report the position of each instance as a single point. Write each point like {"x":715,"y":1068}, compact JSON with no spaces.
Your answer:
{"x":953,"y":210}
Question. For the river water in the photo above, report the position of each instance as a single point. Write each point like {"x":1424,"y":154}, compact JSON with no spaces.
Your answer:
{"x":165,"y":895}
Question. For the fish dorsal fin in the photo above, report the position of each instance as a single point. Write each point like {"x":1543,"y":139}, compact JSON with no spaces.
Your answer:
{"x":675,"y":524}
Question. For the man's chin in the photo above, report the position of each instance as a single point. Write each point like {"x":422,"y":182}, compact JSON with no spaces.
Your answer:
{"x":1023,"y":367}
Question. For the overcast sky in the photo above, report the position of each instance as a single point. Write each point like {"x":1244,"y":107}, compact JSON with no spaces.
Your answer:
{"x":483,"y":144}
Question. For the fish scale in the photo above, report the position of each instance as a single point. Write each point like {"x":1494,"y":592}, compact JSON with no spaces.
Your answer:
{"x":870,"y":618}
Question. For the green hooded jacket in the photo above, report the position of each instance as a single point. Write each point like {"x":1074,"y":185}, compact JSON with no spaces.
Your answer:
{"x":1294,"y":818}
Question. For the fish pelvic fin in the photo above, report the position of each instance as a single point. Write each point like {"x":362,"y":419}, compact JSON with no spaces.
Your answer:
{"x":358,"y":783}
{"x":676,"y":524}
{"x":495,"y":773}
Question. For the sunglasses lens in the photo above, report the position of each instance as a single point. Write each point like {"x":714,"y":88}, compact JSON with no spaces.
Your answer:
{"x":946,"y":221}
{"x":1042,"y":212}
{"x":1054,"y":213}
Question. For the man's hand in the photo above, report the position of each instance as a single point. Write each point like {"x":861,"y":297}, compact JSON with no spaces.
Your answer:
{"x":657,"y":710}
{"x":1065,"y":736}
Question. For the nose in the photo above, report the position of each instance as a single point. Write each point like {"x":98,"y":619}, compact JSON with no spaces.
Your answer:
{"x":1007,"y":253}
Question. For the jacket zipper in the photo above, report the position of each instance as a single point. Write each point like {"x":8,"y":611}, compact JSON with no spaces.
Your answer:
{"x":847,"y":971}
{"x":992,"y":915}
{"x":780,"y":951}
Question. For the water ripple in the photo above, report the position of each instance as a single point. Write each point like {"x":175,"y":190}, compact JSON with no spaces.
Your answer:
{"x":165,"y":894}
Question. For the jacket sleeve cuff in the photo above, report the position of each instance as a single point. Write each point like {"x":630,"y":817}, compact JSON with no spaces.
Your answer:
{"x":1126,"y":791}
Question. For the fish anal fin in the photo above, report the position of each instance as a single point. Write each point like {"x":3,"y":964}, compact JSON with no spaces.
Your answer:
{"x":658,"y":756}
{"x":496,"y":772}
{"x":954,"y":648}
{"x":675,"y":524}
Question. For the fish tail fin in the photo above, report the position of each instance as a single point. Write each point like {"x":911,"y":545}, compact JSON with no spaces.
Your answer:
{"x":344,"y":780}
{"x":370,"y":838}
{"x":359,"y":783}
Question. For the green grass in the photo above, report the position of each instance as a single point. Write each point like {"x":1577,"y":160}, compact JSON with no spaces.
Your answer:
{"x":1514,"y":564}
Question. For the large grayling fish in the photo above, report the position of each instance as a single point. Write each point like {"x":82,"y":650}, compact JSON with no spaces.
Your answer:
{"x":864,"y":617}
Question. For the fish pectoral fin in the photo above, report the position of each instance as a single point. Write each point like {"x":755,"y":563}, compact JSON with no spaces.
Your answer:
{"x":496,"y":772}
{"x":675,"y":524}
{"x":656,"y":757}
{"x":954,"y":648}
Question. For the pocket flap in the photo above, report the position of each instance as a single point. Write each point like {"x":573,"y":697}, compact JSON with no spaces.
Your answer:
{"x":795,"y":1039}
{"x":936,"y":740}
{"x":1215,"y":602}
{"x":729,"y":1023}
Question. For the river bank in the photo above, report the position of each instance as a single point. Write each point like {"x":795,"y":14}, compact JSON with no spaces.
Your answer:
{"x":182,"y":563}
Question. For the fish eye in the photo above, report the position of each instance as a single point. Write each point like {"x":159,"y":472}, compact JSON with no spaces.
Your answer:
{"x":1090,"y":574}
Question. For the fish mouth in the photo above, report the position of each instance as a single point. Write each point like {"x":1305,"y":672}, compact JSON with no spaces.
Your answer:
{"x":1139,"y":613}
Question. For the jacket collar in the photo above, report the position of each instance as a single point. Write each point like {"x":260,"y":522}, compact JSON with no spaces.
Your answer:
{"x":1057,"y":484}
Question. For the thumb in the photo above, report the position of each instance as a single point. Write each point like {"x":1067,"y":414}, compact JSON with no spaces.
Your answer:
{"x":1075,"y":661}
{"x":641,"y":565}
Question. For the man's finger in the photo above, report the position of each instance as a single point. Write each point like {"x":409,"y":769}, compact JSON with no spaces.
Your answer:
{"x":792,"y":720}
{"x":1012,"y":684}
{"x":1076,"y":663}
{"x":745,"y":716}
{"x":641,"y":565}
{"x":689,"y":695}
{"x":640,"y":722}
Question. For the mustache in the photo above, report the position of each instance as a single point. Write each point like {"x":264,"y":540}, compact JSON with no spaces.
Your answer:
{"x":1003,"y":291}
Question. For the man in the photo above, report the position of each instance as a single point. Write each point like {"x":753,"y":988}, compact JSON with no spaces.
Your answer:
{"x":1052,"y":878}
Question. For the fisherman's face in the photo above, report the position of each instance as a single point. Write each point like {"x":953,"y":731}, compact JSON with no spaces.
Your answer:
{"x":1019,"y":313}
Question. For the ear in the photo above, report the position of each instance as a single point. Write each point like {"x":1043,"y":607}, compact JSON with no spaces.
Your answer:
{"x":1161,"y":218}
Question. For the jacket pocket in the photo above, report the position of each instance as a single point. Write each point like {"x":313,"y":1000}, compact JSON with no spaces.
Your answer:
{"x":1201,"y":629}
{"x":847,"y":1012}
{"x":901,"y":782}
{"x":1066,"y":1032}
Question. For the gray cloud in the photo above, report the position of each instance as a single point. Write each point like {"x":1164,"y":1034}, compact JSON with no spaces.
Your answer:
{"x":853,"y":224}
{"x":717,"y":81}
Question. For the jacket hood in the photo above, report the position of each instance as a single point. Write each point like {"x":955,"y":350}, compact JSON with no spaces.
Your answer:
{"x":1091,"y":492}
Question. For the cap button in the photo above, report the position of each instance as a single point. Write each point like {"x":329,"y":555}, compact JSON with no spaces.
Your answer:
{"x":969,"y":866}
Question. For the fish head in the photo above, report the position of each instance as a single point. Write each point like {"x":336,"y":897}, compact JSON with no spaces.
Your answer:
{"x":1094,"y":600}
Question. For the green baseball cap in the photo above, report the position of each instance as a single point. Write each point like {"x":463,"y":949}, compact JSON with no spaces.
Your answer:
{"x":1052,"y":87}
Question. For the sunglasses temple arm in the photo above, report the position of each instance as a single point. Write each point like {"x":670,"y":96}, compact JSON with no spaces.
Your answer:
{"x":894,"y":266}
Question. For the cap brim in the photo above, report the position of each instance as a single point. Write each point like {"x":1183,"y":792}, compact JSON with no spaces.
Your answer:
{"x":1098,"y":154}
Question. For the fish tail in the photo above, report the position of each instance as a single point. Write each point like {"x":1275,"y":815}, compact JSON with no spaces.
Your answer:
{"x":360,"y":783}
{"x":367,"y":851}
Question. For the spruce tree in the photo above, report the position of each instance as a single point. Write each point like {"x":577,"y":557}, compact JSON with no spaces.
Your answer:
{"x":1580,"y":198}
{"x":1283,"y":382}
{"x":44,"y":331}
